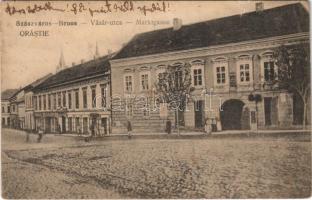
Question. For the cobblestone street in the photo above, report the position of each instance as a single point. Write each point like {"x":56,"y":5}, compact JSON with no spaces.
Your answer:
{"x":247,"y":167}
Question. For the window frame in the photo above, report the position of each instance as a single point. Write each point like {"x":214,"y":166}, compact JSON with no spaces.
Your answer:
{"x":85,"y":98}
{"x":145,"y":73}
{"x":125,"y":83}
{"x":93,"y":98}
{"x":244,"y":60}
{"x":267,"y":56}
{"x":217,"y":63}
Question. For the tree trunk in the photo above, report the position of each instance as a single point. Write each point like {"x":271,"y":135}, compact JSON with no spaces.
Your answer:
{"x":304,"y":114}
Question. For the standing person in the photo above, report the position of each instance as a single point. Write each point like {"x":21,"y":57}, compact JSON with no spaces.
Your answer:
{"x":59,"y":128}
{"x":27,"y":136}
{"x":40,"y":134}
{"x":208,"y":126}
{"x":129,"y":129}
{"x":79,"y":129}
{"x":92,"y":129}
{"x":168,"y":126}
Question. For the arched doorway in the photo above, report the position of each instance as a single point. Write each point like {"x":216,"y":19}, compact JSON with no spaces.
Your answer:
{"x":231,"y":114}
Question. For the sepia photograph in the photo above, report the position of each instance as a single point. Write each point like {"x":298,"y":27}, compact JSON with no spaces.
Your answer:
{"x":155,"y":99}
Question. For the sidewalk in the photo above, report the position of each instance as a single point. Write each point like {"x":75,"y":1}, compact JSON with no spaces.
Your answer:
{"x":191,"y":134}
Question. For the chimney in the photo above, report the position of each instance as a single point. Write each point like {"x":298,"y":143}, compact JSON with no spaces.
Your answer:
{"x":73,"y":63}
{"x":259,"y":6}
{"x":82,"y":61}
{"x":177,"y":24}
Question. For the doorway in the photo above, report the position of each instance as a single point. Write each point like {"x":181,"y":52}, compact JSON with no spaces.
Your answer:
{"x":63,"y":124}
{"x":231,"y":114}
{"x":199,"y":114}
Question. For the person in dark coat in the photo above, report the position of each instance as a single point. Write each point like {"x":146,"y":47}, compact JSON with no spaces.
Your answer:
{"x":168,"y":126}
{"x":40,"y":134}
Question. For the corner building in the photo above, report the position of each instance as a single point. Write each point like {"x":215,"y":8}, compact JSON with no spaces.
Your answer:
{"x":74,"y":99}
{"x":230,"y":58}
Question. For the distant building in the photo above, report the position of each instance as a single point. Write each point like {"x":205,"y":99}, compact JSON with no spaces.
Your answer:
{"x":230,"y":56}
{"x":29,"y":108}
{"x":17,"y":115}
{"x":5,"y":106}
{"x":75,"y":99}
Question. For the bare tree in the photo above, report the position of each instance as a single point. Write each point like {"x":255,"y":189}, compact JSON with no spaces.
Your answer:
{"x":174,"y":87}
{"x":293,"y":74}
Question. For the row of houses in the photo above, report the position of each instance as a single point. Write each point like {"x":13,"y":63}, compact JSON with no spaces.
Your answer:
{"x":230,"y":59}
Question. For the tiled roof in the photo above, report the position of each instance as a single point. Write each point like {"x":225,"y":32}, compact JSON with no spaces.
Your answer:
{"x":283,"y":20}
{"x":37,"y":82}
{"x":7,"y":94}
{"x":84,"y":70}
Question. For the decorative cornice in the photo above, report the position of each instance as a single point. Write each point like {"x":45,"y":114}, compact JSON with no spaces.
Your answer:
{"x":213,"y":50}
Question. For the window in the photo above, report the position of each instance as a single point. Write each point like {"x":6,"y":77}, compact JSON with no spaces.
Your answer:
{"x":54,"y":101}
{"x":49,"y":102}
{"x":69,"y":100}
{"x":77,"y":99}
{"x":128,"y":83}
{"x":197,"y":77}
{"x":64,"y":99}
{"x":244,"y":71}
{"x":221,"y":74}
{"x":178,"y":78}
{"x":93,"y":94}
{"x":268,"y":71}
{"x":84,"y":98}
{"x":144,"y":81}
{"x":59,"y":100}
{"x":103,"y":95}
{"x":39,"y":104}
{"x":3,"y":109}
{"x":9,"y":109}
{"x":35,"y":104}
{"x":44,"y":102}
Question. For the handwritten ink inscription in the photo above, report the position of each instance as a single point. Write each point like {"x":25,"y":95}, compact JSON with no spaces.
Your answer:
{"x":105,"y":7}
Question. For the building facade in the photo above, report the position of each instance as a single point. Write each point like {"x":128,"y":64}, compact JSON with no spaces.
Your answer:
{"x":231,"y":61}
{"x":75,"y":99}
{"x":29,"y":107}
{"x":5,"y":107}
{"x":17,"y":114}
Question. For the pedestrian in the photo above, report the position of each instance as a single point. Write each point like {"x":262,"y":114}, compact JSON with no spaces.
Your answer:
{"x":27,"y":136}
{"x":40,"y":135}
{"x":208,"y":127}
{"x":168,"y":126}
{"x":59,"y":128}
{"x":79,"y":129}
{"x":214,"y":125}
{"x":92,"y":130}
{"x":129,"y":129}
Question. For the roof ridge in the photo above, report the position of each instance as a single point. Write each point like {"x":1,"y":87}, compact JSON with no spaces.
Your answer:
{"x":220,"y":18}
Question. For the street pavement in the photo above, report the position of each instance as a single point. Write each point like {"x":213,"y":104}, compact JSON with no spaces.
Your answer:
{"x":64,"y":167}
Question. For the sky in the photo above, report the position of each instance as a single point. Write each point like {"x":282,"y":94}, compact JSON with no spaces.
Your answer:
{"x":25,"y":59}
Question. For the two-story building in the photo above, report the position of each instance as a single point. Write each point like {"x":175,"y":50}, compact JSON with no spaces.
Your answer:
{"x":74,"y":99}
{"x":29,"y":108}
{"x":17,"y":105}
{"x":231,"y":60}
{"x":5,"y":107}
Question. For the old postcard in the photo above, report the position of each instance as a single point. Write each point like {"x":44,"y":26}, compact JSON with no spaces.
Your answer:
{"x":155,"y":99}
